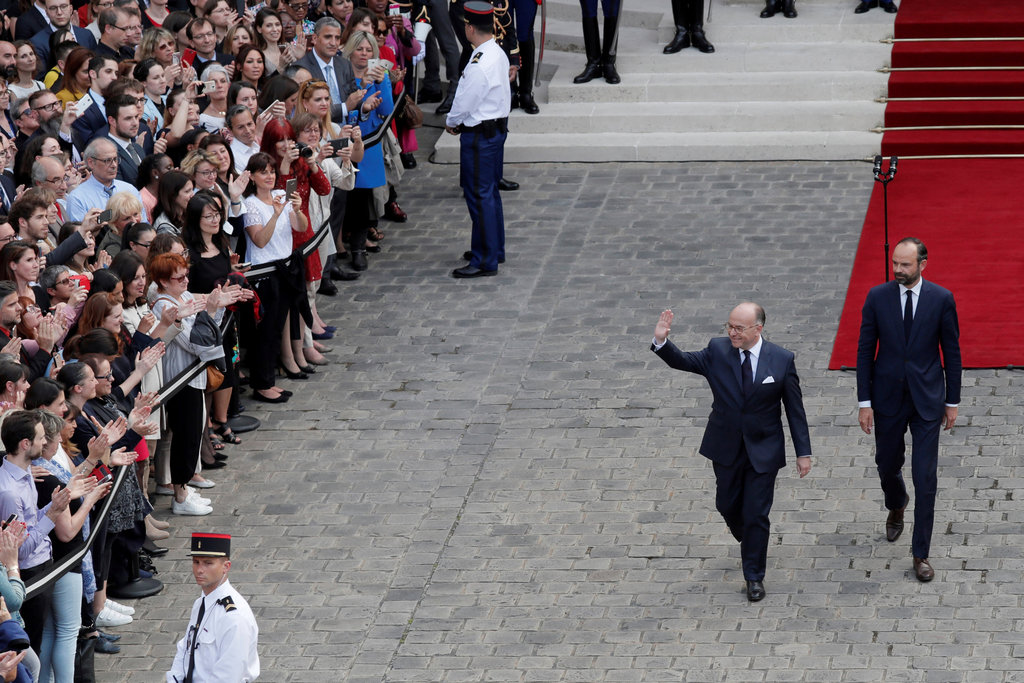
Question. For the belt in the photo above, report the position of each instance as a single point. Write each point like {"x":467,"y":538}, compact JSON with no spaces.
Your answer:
{"x":488,"y":128}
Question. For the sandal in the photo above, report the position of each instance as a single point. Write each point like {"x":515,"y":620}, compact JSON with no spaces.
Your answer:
{"x":375,"y":235}
{"x":215,"y":442}
{"x":224,"y":432}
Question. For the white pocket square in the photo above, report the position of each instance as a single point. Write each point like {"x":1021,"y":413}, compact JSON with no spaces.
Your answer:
{"x":768,"y":380}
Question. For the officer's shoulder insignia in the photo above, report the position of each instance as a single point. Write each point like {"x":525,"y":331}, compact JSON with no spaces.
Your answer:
{"x":476,"y":57}
{"x":228,"y":603}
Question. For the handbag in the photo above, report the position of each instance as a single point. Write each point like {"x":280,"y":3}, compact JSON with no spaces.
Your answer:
{"x":84,"y":660}
{"x":410,"y":116}
{"x":214,"y":378}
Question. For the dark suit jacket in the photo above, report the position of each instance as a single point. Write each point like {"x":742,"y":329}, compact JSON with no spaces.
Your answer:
{"x":127,"y":169}
{"x":88,"y":126}
{"x":9,"y":188}
{"x":888,"y":363}
{"x":41,"y":42}
{"x":755,"y":421}
{"x":31,"y":22}
{"x":218,"y":58}
{"x":346,"y":80}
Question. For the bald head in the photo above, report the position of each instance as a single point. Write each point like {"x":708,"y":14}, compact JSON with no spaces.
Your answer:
{"x":745,"y":323}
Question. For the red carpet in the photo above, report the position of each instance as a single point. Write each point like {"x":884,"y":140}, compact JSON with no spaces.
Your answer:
{"x":966,"y":210}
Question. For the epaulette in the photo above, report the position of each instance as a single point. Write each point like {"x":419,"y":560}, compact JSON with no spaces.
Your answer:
{"x":476,"y":57}
{"x":228,"y":603}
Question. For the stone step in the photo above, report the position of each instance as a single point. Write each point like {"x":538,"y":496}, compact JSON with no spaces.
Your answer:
{"x":560,"y":118}
{"x":731,"y":87}
{"x":663,"y":146}
{"x":740,"y":57}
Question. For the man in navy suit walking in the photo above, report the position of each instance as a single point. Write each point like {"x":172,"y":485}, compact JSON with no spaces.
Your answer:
{"x":901,"y":383}
{"x":751,"y":379}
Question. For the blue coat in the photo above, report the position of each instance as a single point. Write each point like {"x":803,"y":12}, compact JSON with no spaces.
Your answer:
{"x":755,"y":421}
{"x":888,"y":363}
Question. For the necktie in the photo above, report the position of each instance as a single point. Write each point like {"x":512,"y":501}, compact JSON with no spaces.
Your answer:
{"x":908,"y":315}
{"x":134,"y":151}
{"x":747,"y":370}
{"x":195,"y":643}
{"x":109,"y":191}
{"x":332,"y":83}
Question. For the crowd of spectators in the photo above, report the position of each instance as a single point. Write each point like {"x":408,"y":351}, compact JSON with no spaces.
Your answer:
{"x":180,"y":182}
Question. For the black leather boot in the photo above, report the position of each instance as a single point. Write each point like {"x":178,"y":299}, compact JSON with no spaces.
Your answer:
{"x":449,"y":98}
{"x":608,"y":53}
{"x":789,"y":9}
{"x":682,"y":38}
{"x":770,"y":8}
{"x":697,"y":27}
{"x":592,"y":44}
{"x":526,"y":72}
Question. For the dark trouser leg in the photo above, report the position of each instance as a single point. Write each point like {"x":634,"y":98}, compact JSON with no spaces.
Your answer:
{"x":890,"y":454}
{"x":267,"y":338}
{"x":186,"y":417}
{"x":679,"y":17}
{"x":591,"y":43}
{"x":744,"y":498}
{"x":924,"y":461}
{"x":35,"y":609}
{"x":526,"y":75}
{"x":611,"y":75}
{"x":431,"y":65}
{"x":479,"y":173}
{"x":697,"y":37}
{"x":447,"y":38}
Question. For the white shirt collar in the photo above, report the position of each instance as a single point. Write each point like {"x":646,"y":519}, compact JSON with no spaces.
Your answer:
{"x":322,"y":63}
{"x":916,"y":289}
{"x":755,"y":350}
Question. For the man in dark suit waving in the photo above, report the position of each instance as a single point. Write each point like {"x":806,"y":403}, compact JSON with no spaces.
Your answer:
{"x":901,"y":383}
{"x":751,"y":379}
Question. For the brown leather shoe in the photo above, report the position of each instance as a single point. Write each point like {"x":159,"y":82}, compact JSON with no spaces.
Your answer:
{"x":924,"y":571}
{"x":894,"y":523}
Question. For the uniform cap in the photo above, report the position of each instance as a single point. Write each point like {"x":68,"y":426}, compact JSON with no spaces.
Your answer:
{"x":479,"y":13}
{"x":211,"y":545}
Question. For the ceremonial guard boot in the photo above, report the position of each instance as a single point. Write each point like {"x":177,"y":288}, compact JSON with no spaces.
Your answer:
{"x":526,"y":73}
{"x":592,"y":45}
{"x":608,"y":53}
{"x":681,"y":40}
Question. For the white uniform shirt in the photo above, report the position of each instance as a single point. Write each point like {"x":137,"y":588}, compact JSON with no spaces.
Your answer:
{"x":227,"y":642}
{"x":484,"y":92}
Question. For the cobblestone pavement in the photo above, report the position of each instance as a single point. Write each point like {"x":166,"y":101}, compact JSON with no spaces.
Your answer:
{"x":495,"y":480}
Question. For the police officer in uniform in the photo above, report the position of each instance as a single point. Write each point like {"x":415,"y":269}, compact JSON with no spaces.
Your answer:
{"x":479,"y":116}
{"x":220,"y":644}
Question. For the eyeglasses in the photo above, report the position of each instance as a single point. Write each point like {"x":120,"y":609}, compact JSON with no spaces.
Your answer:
{"x":107,"y":161}
{"x":109,"y":376}
{"x":210,"y":216}
{"x":59,"y":8}
{"x":208,"y":172}
{"x":145,"y":245}
{"x":32,"y":309}
{"x":202,"y":36}
{"x":120,"y":28}
{"x":58,"y":180}
{"x":180,"y":278}
{"x":740,"y":329}
{"x":65,"y":281}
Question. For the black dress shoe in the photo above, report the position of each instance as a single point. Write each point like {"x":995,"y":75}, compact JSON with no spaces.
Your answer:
{"x":307,"y":369}
{"x":104,"y":646}
{"x":789,"y":9}
{"x":215,"y":465}
{"x":470,"y":271}
{"x":296,"y":375}
{"x":894,"y":523}
{"x":359,"y":260}
{"x":267,"y":399}
{"x":700,"y":41}
{"x":889,"y":7}
{"x":327,"y":288}
{"x":343,"y":275}
{"x":507,"y":185}
{"x":152,"y":549}
{"x":755,"y":591}
{"x":468,"y":256}
{"x":375,"y":249}
{"x":408,"y":160}
{"x":428,"y":96}
{"x":680,"y":41}
{"x":528,"y":104}
{"x":771,"y":8}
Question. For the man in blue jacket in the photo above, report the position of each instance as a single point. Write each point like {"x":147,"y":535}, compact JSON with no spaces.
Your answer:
{"x":901,"y":383}
{"x":751,"y":379}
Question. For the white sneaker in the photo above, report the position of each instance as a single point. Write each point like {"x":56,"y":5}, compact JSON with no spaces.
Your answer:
{"x":108,"y":617}
{"x":194,"y":495}
{"x":164,"y":490}
{"x":119,"y":608}
{"x":204,"y":484}
{"x":190,"y":507}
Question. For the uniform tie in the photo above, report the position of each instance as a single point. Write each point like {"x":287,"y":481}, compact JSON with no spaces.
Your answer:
{"x":908,"y":315}
{"x":195,"y":642}
{"x":748,"y":373}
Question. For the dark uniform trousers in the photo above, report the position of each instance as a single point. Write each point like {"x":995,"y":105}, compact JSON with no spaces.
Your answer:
{"x":481,"y":157}
{"x":744,"y":497}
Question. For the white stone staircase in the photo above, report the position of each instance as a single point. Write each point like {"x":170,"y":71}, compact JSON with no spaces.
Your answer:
{"x":775,"y":89}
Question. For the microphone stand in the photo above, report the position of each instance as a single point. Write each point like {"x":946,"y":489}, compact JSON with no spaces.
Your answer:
{"x":885,"y":179}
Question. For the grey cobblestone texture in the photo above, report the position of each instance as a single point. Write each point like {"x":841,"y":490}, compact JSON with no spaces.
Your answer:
{"x":495,"y":480}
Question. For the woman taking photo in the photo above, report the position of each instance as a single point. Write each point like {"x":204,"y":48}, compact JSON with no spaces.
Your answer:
{"x":173,"y":193}
{"x":212,"y":118}
{"x":268,"y":38}
{"x":360,"y":212}
{"x":76,"y":76}
{"x":270,"y":222}
{"x":186,"y":410}
{"x":246,"y":94}
{"x":206,"y":170}
{"x":125,"y":209}
{"x":26,"y":61}
{"x":283,"y":90}
{"x":159,"y":44}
